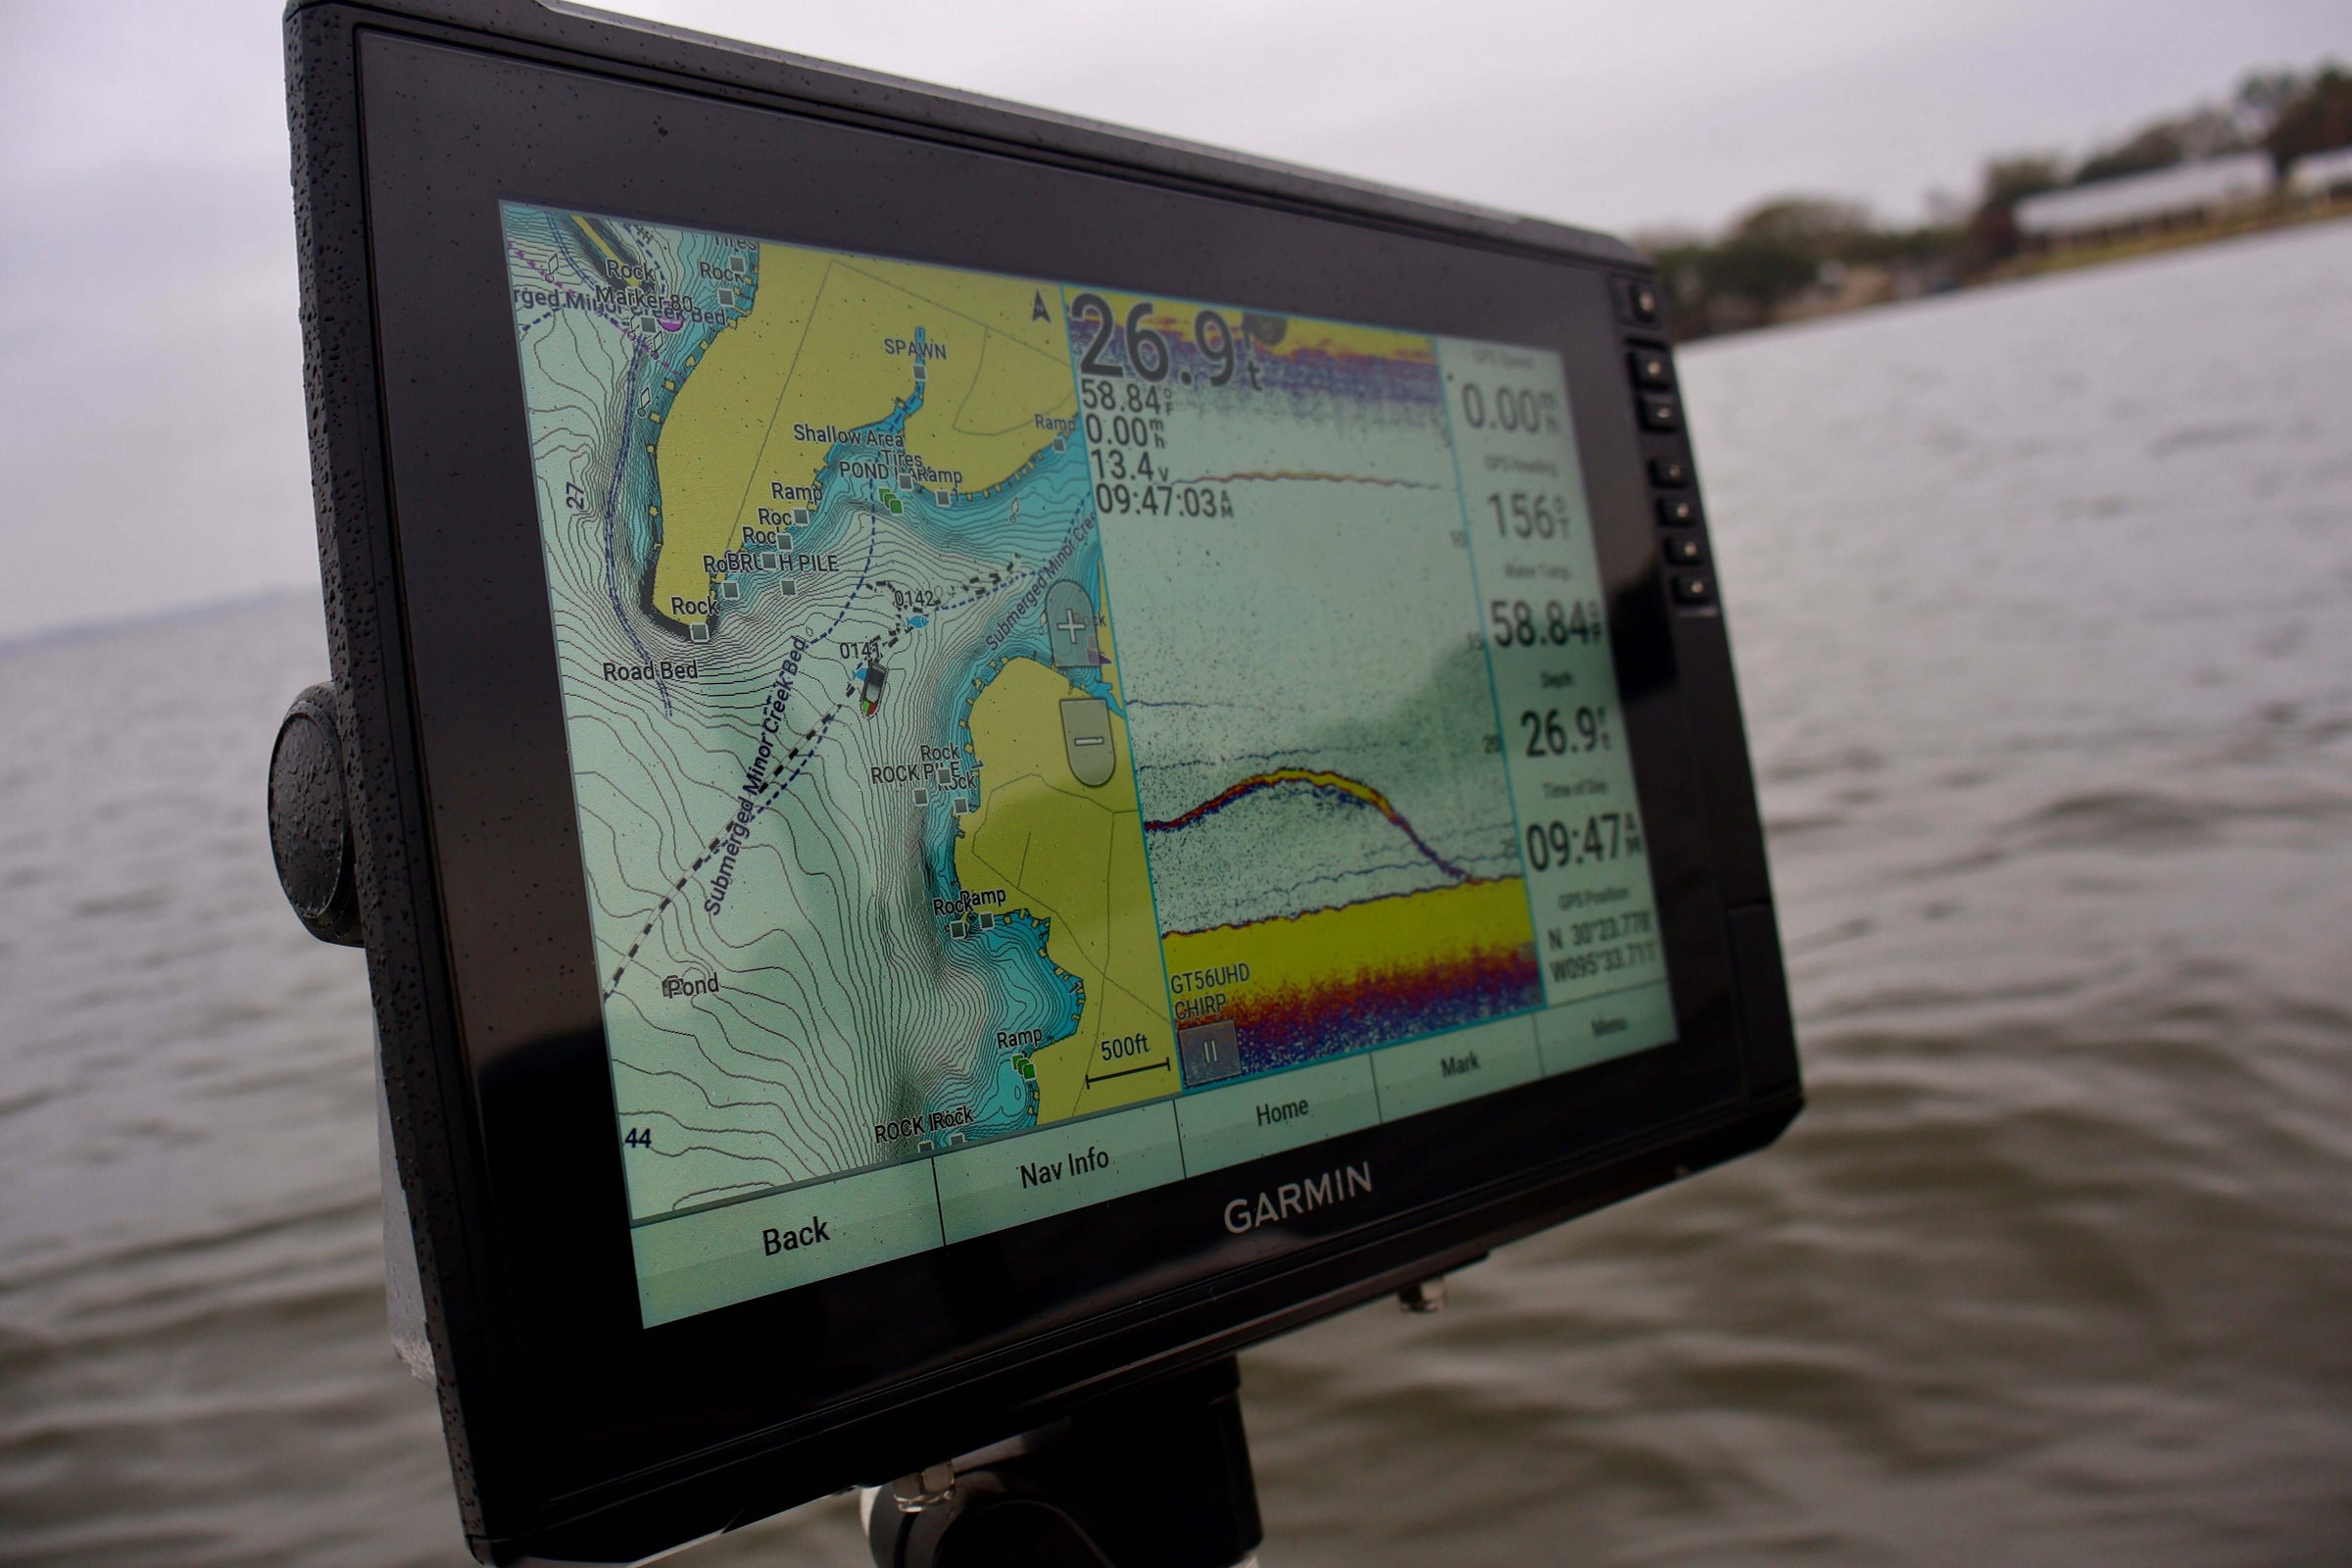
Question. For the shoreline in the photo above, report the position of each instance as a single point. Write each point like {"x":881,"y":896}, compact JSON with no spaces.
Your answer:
{"x":2020,"y":270}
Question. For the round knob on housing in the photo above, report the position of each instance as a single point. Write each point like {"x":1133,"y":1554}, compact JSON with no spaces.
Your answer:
{"x":309,"y":819}
{"x":1424,"y":1296}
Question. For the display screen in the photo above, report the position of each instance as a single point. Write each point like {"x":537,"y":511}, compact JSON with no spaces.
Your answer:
{"x":1035,"y":742}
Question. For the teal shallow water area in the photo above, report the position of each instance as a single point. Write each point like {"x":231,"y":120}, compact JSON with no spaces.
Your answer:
{"x":2042,"y":597}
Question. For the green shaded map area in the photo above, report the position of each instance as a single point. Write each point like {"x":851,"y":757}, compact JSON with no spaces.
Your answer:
{"x":804,"y":514}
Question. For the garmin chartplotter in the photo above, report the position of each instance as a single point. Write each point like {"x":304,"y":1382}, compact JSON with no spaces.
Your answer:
{"x":980,"y":758}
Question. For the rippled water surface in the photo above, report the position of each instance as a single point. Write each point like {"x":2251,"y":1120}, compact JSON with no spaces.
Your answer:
{"x":2042,"y":597}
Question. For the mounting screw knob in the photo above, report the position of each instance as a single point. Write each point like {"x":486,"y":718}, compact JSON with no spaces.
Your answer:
{"x":927,"y":1487}
{"x":309,"y":819}
{"x":1424,"y":1296}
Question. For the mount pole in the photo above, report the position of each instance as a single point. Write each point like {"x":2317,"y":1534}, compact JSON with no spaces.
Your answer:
{"x":1156,"y":1476}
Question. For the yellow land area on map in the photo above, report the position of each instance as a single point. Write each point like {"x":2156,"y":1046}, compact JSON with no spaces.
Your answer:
{"x":829,"y":342}
{"x":1073,"y":856}
{"x":1328,"y":950}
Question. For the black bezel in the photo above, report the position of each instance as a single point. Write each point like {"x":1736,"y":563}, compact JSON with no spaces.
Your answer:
{"x":575,"y":1431}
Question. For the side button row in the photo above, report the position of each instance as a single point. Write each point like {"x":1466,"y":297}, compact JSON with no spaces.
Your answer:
{"x":1650,"y":367}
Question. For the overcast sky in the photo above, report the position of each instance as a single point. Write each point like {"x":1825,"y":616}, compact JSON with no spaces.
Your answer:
{"x":150,"y":430}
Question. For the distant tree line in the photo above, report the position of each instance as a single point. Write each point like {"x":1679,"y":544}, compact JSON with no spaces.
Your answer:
{"x":1795,"y":254}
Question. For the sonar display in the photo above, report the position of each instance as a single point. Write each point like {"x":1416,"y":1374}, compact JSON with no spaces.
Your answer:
{"x":1033,"y":743}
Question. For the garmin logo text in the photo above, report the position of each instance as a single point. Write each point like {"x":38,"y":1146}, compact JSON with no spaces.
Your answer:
{"x":1299,"y":1198}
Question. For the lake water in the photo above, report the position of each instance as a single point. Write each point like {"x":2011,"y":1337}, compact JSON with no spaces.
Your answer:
{"x":2042,"y":597}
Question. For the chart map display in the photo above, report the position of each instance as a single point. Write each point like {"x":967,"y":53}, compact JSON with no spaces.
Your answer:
{"x":1034,"y":741}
